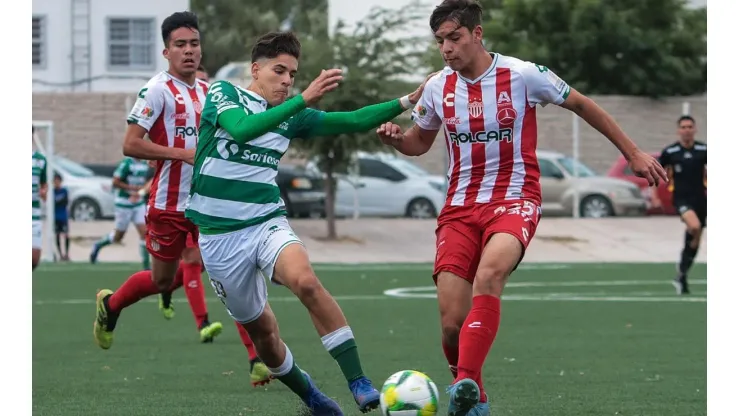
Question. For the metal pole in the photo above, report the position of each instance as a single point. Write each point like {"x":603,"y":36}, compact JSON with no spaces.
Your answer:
{"x":48,"y":253}
{"x":576,"y":145}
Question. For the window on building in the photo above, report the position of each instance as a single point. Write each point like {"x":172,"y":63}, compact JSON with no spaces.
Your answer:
{"x":131,"y":43}
{"x":38,"y":49}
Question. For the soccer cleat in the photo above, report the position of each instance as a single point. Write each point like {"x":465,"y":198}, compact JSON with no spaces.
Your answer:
{"x":209,"y":331}
{"x":317,"y":402}
{"x":103,"y":337}
{"x":464,"y":396}
{"x":366,"y":396}
{"x":94,"y":253}
{"x":681,"y":284}
{"x":259,"y":375}
{"x":169,"y":312}
{"x":480,"y":409}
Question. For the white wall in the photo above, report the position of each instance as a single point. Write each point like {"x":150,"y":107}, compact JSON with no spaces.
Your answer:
{"x":58,"y":42}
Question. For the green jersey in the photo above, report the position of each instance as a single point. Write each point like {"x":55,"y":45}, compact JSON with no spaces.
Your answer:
{"x":241,"y":140}
{"x":39,"y":179}
{"x":133,"y":172}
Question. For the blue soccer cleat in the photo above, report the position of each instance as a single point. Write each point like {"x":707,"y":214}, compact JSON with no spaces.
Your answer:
{"x":366,"y":396}
{"x":318,"y":403}
{"x":464,"y":396}
{"x":480,"y":409}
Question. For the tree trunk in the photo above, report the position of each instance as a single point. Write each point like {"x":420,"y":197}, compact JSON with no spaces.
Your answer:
{"x":331,"y":223}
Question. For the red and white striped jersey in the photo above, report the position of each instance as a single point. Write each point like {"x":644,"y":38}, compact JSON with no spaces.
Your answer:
{"x":169,"y":110}
{"x":490,"y":124}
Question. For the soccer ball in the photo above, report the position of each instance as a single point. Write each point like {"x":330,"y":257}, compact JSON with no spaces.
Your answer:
{"x":409,"y":393}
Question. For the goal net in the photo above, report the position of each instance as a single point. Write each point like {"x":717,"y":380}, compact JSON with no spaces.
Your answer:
{"x":43,"y":140}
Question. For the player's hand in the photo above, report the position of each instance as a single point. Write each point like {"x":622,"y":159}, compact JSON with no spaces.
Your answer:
{"x":152,"y":164}
{"x":655,"y":202}
{"x":326,"y":81}
{"x":390,"y":134}
{"x":188,"y":156}
{"x":648,"y":167}
{"x":134,"y":198}
{"x":415,"y":96}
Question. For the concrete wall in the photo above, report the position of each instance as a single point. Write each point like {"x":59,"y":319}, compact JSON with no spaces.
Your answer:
{"x":89,"y":127}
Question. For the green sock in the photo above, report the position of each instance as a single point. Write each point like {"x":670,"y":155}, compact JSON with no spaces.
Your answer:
{"x":294,"y":379}
{"x":348,"y":359}
{"x":144,"y":255}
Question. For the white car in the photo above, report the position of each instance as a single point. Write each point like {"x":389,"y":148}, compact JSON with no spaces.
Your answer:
{"x":90,"y":195}
{"x":384,"y":185}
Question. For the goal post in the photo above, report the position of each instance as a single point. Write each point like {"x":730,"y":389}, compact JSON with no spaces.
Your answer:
{"x":45,"y":129}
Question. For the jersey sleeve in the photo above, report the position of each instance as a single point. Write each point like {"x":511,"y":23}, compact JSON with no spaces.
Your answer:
{"x":544,"y":86}
{"x":148,"y":106}
{"x":423,"y":113}
{"x":222,"y":96}
{"x":122,"y":170}
{"x":664,"y":158}
{"x":306,"y":122}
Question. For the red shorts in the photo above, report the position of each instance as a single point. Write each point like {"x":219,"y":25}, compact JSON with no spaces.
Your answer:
{"x":168,"y":233}
{"x":462,"y":232}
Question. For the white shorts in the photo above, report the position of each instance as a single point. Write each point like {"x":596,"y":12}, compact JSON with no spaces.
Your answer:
{"x":37,"y":231}
{"x":238,"y":263}
{"x":125,"y":216}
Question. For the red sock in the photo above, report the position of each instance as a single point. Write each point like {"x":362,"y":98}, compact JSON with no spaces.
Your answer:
{"x":451,"y":353}
{"x":193,"y":284}
{"x":247,"y":341}
{"x":135,"y":288}
{"x":476,"y":338}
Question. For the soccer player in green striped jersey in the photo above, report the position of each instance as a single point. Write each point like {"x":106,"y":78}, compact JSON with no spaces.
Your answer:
{"x":236,"y":204}
{"x":38,"y":193}
{"x":130,"y":204}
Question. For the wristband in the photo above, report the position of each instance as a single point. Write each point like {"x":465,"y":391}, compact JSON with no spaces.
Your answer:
{"x":405,"y":102}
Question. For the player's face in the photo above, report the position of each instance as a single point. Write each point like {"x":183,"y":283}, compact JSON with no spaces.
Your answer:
{"x":275,"y":77}
{"x":457,"y":44}
{"x":202,"y":75}
{"x":183,"y":51}
{"x":686,"y":130}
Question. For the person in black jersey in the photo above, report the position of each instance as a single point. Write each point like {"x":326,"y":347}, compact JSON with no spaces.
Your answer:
{"x":685,"y":162}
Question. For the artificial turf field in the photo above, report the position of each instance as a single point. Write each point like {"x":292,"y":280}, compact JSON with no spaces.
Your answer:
{"x":599,"y":339}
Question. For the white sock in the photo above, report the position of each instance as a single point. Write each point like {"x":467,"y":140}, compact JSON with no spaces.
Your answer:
{"x":286,"y":366}
{"x":337,"y":338}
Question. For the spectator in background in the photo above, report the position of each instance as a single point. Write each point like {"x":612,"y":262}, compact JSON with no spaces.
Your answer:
{"x":61,"y":217}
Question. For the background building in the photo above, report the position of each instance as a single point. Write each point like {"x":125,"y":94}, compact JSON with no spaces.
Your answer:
{"x":97,"y":45}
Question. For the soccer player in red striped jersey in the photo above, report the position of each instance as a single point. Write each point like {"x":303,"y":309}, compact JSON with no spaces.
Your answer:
{"x":168,"y":109}
{"x":486,"y":103}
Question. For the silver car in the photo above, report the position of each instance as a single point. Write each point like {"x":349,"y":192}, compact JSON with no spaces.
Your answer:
{"x":90,"y":195}
{"x":598,"y":196}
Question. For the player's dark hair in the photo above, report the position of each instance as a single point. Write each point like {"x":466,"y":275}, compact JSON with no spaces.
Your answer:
{"x":466,"y":13}
{"x":57,"y":176}
{"x":273,"y":44}
{"x":176,"y":21}
{"x":685,"y":118}
{"x":201,"y":68}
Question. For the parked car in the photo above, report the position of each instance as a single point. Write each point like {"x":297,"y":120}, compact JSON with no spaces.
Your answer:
{"x":620,"y":169}
{"x":598,"y":196}
{"x":385,"y":185}
{"x":90,"y":195}
{"x":302,"y":191}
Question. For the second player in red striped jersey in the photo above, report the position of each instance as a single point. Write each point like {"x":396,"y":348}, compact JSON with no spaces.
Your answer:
{"x":168,"y":109}
{"x":486,"y":105}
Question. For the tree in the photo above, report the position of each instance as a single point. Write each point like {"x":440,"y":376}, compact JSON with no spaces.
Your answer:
{"x":632,"y":47}
{"x":373,"y":64}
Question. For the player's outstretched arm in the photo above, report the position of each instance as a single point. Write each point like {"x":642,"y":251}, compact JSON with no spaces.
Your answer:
{"x":414,"y":142}
{"x":641,"y":163}
{"x":363,"y":119}
{"x":243,"y":126}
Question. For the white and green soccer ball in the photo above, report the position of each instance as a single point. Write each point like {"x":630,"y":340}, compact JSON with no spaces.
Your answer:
{"x":409,"y":393}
